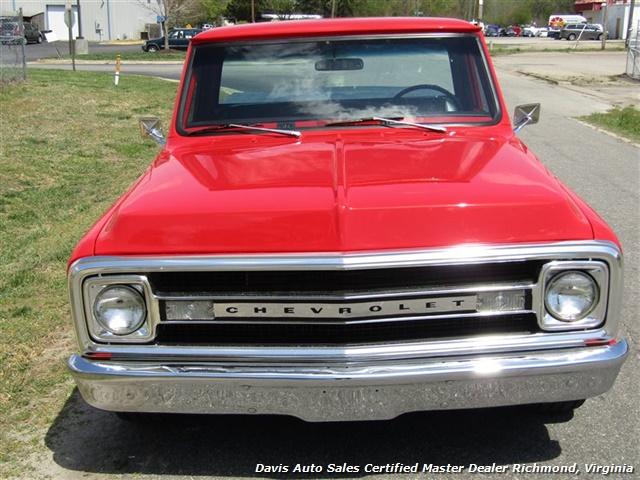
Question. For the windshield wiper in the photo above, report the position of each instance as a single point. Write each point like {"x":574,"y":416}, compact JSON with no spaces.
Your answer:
{"x":238,"y":126}
{"x":387,"y":121}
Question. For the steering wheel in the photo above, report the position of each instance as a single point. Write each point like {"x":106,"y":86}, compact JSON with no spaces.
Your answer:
{"x":424,"y":86}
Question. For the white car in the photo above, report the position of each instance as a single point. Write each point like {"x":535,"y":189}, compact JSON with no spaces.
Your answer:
{"x":531,"y":31}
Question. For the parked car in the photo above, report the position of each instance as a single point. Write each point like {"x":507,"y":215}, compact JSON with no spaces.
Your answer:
{"x":337,"y":227}
{"x":9,"y":31}
{"x":511,"y":31}
{"x":553,"y":33}
{"x":533,"y":31}
{"x":32,"y":34}
{"x":178,"y":40}
{"x":491,"y":30}
{"x":583,"y":31}
{"x":529,"y":31}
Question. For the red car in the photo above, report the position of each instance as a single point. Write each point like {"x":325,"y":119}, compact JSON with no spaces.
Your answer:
{"x":510,"y":31}
{"x":343,"y":225}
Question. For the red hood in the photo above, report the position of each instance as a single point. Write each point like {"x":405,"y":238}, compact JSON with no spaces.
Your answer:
{"x":393,"y":189}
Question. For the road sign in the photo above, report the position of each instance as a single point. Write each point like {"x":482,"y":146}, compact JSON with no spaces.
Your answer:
{"x":70,"y":21}
{"x":69,"y":18}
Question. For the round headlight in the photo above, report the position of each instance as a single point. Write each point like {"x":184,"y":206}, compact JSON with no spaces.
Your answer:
{"x":120,"y":309}
{"x":571,"y":296}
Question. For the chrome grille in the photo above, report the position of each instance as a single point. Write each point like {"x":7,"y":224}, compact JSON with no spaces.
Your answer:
{"x":346,"y":289}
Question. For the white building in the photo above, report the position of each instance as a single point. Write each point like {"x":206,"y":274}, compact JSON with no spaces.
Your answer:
{"x":618,"y":20}
{"x":101,"y":20}
{"x":617,"y":13}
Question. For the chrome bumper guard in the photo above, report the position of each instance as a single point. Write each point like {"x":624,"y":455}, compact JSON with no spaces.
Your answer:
{"x":350,"y":392}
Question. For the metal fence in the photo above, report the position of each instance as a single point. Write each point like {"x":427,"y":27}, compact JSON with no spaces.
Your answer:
{"x":633,"y":54}
{"x":13,"y":57}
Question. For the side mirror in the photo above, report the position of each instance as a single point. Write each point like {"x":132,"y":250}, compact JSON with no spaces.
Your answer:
{"x":527,"y":114}
{"x":152,"y":126}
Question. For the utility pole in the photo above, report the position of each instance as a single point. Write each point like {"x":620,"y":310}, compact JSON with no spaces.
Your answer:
{"x":632,"y":6}
{"x":81,"y":45}
{"x":79,"y":22}
{"x":604,"y":24}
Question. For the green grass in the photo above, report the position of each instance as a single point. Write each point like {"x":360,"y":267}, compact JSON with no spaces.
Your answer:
{"x":624,"y":122}
{"x":69,"y":147}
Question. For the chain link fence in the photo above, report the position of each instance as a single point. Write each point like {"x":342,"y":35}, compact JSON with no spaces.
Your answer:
{"x":633,"y":54}
{"x":13,"y":57}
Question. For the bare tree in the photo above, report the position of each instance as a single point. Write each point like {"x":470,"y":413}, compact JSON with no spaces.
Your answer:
{"x":170,"y":12}
{"x":282,"y":8}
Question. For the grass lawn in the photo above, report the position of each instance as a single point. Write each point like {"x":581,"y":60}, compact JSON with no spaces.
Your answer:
{"x":69,"y":146}
{"x":161,"y":56}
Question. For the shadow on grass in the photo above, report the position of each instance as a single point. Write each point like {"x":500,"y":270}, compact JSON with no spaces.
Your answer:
{"x":89,"y":440}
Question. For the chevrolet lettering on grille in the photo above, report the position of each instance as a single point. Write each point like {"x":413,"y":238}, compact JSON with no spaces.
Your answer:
{"x":348,"y":310}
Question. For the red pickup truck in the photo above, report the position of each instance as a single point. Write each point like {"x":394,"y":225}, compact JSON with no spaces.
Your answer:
{"x":343,"y":225}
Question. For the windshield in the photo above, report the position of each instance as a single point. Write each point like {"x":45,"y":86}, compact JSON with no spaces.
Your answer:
{"x":310,"y":84}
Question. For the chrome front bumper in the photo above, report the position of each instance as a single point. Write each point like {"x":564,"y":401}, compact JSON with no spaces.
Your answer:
{"x":375,"y":391}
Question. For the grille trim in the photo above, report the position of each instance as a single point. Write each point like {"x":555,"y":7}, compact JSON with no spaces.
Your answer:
{"x":450,"y":322}
{"x":342,"y":334}
{"x":344,"y":288}
{"x":343,"y":282}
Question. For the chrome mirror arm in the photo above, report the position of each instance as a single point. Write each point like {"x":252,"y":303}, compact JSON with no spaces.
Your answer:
{"x":152,"y":126}
{"x":527,"y":114}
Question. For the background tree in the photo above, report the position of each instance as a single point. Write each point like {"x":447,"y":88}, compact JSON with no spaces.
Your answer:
{"x":213,"y":11}
{"x":241,"y":9}
{"x":502,"y":12}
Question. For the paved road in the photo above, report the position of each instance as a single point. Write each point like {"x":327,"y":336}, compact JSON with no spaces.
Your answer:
{"x":599,"y":76}
{"x":86,"y":443}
